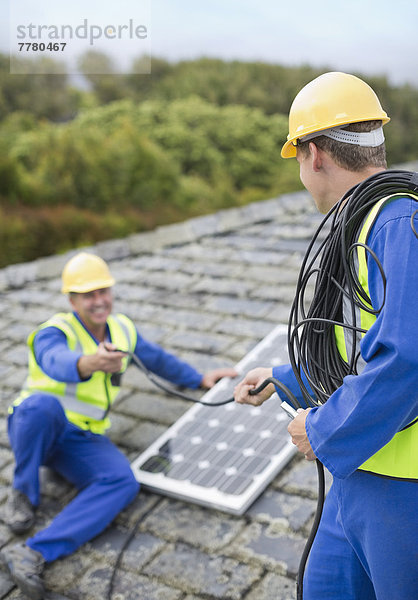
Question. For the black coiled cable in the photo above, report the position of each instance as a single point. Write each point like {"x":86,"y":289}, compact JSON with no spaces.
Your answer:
{"x":312,"y":342}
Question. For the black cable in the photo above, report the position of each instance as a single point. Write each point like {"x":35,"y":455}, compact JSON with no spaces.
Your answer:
{"x":281,"y":386}
{"x":126,"y":543}
{"x":170,"y":389}
{"x":321,"y":487}
{"x":313,"y":351}
{"x":413,"y":224}
{"x":314,"y":529}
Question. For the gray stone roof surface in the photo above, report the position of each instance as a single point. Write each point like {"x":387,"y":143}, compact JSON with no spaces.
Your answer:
{"x":209,"y":290}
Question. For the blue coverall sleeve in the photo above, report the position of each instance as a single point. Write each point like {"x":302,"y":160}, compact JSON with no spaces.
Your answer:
{"x":166,"y":365}
{"x":284,"y":374}
{"x":369,"y":409}
{"x":54,"y":357}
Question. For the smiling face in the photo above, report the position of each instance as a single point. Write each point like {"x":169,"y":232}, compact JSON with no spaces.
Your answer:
{"x":94,"y":308}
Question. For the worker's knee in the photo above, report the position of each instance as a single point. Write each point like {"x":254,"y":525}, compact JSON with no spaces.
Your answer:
{"x":124,"y":481}
{"x":130,"y":485}
{"x":123,"y":478}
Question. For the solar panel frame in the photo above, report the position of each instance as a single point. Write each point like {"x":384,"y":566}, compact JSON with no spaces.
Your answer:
{"x":257,"y":459}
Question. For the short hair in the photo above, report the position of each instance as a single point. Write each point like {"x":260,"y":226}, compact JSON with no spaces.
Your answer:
{"x":350,"y":156}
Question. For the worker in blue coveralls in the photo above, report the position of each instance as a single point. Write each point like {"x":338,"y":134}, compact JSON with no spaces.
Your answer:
{"x":366,"y":432}
{"x":61,"y":415}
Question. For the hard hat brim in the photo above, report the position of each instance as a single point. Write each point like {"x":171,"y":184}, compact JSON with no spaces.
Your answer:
{"x":288,"y":150}
{"x":89,"y":287}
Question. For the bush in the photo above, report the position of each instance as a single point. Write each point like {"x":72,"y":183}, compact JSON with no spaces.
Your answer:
{"x":142,"y":156}
{"x":29,"y":233}
{"x":205,"y":140}
{"x":91,"y":169}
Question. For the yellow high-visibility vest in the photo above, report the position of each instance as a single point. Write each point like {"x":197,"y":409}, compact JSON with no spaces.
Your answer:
{"x":399,"y":457}
{"x":86,"y":404}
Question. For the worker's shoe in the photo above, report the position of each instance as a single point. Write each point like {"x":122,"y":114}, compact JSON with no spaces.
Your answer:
{"x":25,"y":567}
{"x":19,"y":513}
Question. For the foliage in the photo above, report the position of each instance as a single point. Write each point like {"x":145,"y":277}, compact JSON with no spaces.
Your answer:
{"x":29,"y":233}
{"x":401,"y":105}
{"x":124,"y":167}
{"x":43,"y":95}
{"x":90,"y":169}
{"x":235,"y":143}
{"x":133,"y":151}
{"x":268,"y":87}
{"x":133,"y":155}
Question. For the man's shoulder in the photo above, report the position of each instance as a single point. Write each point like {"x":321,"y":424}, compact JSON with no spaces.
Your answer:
{"x":398,"y":207}
{"x":59,"y":323}
{"x":122,"y":318}
{"x":60,"y":317}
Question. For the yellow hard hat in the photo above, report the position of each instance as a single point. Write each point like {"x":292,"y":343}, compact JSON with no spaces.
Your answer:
{"x":331,"y":100}
{"x":84,"y":273}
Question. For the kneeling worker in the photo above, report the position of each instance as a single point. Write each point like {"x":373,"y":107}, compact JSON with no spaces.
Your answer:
{"x":61,"y":415}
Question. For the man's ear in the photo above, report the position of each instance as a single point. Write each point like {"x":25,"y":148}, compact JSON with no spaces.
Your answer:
{"x":316,"y":157}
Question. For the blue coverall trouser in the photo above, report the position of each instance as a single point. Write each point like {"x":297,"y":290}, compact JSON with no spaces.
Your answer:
{"x":40,"y":434}
{"x":366,"y":547}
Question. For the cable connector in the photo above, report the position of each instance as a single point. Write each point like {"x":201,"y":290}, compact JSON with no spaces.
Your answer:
{"x":289,"y":410}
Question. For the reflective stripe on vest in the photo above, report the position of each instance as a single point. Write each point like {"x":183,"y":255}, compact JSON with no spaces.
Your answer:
{"x":87,"y":403}
{"x":398,"y":458}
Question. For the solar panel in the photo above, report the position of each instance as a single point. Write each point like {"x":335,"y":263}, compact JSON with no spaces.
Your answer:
{"x":223,"y":456}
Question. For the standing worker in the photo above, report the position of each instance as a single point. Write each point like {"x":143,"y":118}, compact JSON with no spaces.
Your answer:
{"x":356,"y":359}
{"x":61,"y":415}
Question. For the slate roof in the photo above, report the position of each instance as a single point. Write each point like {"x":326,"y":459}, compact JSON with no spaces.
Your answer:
{"x":207,"y":289}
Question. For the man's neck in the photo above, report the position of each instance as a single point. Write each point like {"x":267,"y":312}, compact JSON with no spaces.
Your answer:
{"x":345,"y":180}
{"x":98,"y":332}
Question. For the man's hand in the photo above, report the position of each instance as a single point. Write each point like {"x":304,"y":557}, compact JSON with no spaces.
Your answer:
{"x":105,"y":359}
{"x":297,"y":431}
{"x":211,"y":377}
{"x":251,"y":381}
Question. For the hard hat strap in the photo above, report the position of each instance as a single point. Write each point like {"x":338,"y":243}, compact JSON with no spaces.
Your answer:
{"x":369,"y":139}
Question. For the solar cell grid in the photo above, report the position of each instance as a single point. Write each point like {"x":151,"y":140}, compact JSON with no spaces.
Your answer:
{"x":222,"y":456}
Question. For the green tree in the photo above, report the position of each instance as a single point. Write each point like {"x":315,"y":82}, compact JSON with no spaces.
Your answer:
{"x":43,"y":95}
{"x":205,"y":140}
{"x":90,"y":169}
{"x":101,"y":73}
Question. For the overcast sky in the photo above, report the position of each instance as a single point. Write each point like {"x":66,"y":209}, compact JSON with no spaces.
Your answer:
{"x":367,"y":36}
